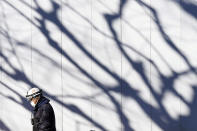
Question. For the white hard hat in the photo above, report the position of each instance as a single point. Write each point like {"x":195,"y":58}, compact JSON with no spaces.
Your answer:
{"x":33,"y":92}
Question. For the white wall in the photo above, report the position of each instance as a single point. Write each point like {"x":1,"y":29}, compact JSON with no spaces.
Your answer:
{"x":133,"y":70}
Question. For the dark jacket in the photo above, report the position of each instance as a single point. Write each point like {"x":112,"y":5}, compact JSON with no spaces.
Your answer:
{"x":43,"y":116}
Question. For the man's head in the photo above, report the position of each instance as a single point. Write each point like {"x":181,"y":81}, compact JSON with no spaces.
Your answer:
{"x":33,"y":95}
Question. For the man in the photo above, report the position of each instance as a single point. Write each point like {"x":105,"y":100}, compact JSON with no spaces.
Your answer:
{"x":43,"y":115}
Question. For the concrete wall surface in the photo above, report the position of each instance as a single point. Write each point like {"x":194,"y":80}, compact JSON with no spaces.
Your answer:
{"x":105,"y":65}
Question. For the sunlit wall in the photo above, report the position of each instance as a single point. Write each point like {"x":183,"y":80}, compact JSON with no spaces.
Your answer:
{"x":105,"y":65}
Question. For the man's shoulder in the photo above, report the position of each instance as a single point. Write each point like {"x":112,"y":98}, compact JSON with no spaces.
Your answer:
{"x":46,"y":105}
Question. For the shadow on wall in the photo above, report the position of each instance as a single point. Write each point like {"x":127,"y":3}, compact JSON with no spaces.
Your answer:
{"x":160,"y":115}
{"x":189,"y":6}
{"x":3,"y":126}
{"x":188,"y":123}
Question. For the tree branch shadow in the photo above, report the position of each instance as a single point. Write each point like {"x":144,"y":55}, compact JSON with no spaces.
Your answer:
{"x":159,"y":116}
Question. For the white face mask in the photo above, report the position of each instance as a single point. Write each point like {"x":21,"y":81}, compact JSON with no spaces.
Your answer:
{"x":33,"y":104}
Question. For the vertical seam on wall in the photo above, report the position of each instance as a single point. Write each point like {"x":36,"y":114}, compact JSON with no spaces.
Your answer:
{"x":61,"y":69}
{"x":150,"y":68}
{"x":91,"y":55}
{"x":1,"y":64}
{"x":31,"y":46}
{"x":121,"y":74}
{"x":180,"y":43}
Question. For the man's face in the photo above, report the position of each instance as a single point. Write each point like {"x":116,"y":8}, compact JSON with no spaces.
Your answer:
{"x":35,"y":100}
